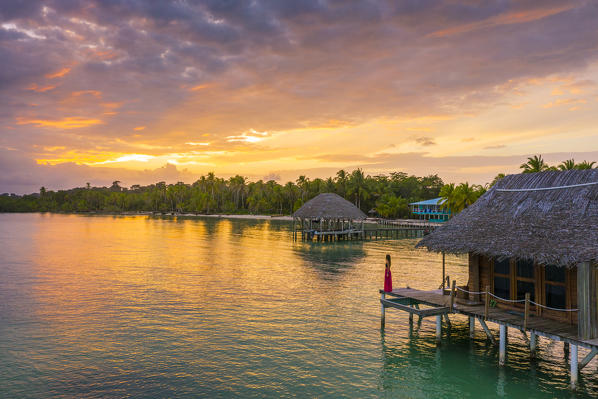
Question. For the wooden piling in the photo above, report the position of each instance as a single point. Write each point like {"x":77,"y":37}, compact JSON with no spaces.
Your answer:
{"x":532,"y":344}
{"x":502,"y":351}
{"x":438,"y":329}
{"x":574,"y":366}
{"x":453,"y":297}
{"x":487,"y":302}
{"x":382,"y":310}
{"x":443,"y":270}
{"x":526,"y":311}
{"x":471,"y":327}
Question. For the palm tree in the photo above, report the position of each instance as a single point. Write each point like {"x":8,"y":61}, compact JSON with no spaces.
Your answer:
{"x":115,"y":186}
{"x":358,"y":187}
{"x":460,"y":197}
{"x":585,"y":165}
{"x":534,"y":164}
{"x":303,"y":184}
{"x":341,"y":183}
{"x":569,"y":164}
{"x":447,"y":194}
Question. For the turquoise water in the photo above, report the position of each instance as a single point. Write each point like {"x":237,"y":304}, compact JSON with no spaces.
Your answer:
{"x":104,"y":306}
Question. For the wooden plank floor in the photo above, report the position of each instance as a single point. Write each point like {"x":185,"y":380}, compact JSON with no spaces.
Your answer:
{"x":539,"y":325}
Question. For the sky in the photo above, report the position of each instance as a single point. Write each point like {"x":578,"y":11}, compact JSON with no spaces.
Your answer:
{"x":146,"y":91}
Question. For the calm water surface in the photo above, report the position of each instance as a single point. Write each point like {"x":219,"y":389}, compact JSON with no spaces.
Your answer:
{"x":135,"y":306}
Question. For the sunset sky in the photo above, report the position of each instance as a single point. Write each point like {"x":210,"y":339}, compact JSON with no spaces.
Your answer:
{"x":143,"y":91}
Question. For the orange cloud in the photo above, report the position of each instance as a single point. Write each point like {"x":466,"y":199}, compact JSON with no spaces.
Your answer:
{"x":94,"y":93}
{"x":503,"y":19}
{"x":73,"y":122}
{"x":112,"y":105}
{"x":200,"y":87}
{"x":568,"y":101}
{"x":59,"y":73}
{"x":38,"y":89}
{"x":139,"y":128}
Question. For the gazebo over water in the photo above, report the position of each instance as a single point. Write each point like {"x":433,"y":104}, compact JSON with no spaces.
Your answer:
{"x":328,"y":217}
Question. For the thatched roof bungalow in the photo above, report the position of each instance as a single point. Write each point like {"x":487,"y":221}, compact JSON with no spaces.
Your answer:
{"x":535,"y":233}
{"x":327,"y":214}
{"x":329,"y":206}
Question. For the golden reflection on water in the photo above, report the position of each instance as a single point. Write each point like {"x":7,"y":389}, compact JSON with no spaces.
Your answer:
{"x":147,"y":306}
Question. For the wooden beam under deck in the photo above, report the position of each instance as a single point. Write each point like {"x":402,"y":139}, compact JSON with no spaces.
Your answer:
{"x":539,"y":326}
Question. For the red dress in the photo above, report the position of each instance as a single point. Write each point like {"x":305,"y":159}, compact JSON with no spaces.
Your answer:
{"x":387,"y":281}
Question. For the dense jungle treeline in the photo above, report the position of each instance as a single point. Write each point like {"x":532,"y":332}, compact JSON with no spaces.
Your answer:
{"x":389,"y":195}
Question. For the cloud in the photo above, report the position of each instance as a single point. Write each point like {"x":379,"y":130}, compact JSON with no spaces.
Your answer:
{"x":251,"y":73}
{"x":58,"y":74}
{"x":425,"y":141}
{"x":73,"y":122}
{"x":29,"y":177}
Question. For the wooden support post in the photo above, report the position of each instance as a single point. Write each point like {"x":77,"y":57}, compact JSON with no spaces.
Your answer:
{"x":487,"y":331}
{"x":452,"y":297}
{"x":438,"y":329}
{"x":526,"y":311}
{"x":448,"y":321}
{"x":588,"y":358}
{"x":566,"y":349}
{"x":574,"y":365}
{"x":471,"y":327}
{"x":533,"y":340}
{"x":487,"y":302}
{"x":443,"y":271}
{"x":587,"y":315}
{"x":524,"y":336}
{"x":502,"y":349}
{"x":382,"y":310}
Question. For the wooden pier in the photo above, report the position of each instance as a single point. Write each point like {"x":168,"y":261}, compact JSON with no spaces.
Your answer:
{"x":437,"y":304}
{"x":377,"y":233}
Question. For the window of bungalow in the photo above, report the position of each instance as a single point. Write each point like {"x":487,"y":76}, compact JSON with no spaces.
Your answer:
{"x":525,"y":279}
{"x":555,"y":286}
{"x":502,"y":278}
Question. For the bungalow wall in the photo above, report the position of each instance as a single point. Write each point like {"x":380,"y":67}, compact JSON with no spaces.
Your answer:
{"x":511,"y":279}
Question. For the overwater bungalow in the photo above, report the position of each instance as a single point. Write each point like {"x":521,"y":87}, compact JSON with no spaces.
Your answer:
{"x":532,"y":245}
{"x":328,"y":216}
{"x":432,"y":210}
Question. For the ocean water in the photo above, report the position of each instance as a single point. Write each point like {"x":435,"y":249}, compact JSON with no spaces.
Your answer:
{"x":135,"y":306}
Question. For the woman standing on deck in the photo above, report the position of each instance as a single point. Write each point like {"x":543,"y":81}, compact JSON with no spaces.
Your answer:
{"x":387,"y":276}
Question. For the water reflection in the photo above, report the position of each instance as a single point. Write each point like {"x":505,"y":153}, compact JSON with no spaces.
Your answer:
{"x":198,"y":307}
{"x":331,"y":257}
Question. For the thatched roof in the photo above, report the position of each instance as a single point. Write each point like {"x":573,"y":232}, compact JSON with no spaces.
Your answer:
{"x":550,"y":217}
{"x":329,"y":206}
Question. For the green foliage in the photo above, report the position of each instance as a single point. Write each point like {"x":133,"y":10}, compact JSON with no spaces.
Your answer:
{"x":534,"y":164}
{"x":460,"y":197}
{"x":390,"y":206}
{"x":537,"y":164}
{"x":387,"y":195}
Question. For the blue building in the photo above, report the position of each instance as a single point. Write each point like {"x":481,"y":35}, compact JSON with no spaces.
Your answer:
{"x":432,"y":210}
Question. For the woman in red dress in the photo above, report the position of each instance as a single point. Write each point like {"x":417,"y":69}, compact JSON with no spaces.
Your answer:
{"x":387,"y":276}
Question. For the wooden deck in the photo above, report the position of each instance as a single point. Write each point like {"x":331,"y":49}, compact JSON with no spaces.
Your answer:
{"x":382,"y":233}
{"x":540,"y":326}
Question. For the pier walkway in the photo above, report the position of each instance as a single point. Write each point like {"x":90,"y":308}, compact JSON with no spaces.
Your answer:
{"x":434,"y":303}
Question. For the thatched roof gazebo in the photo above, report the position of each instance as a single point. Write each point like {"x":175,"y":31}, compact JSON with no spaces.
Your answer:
{"x":328,"y":216}
{"x":533,"y":233}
